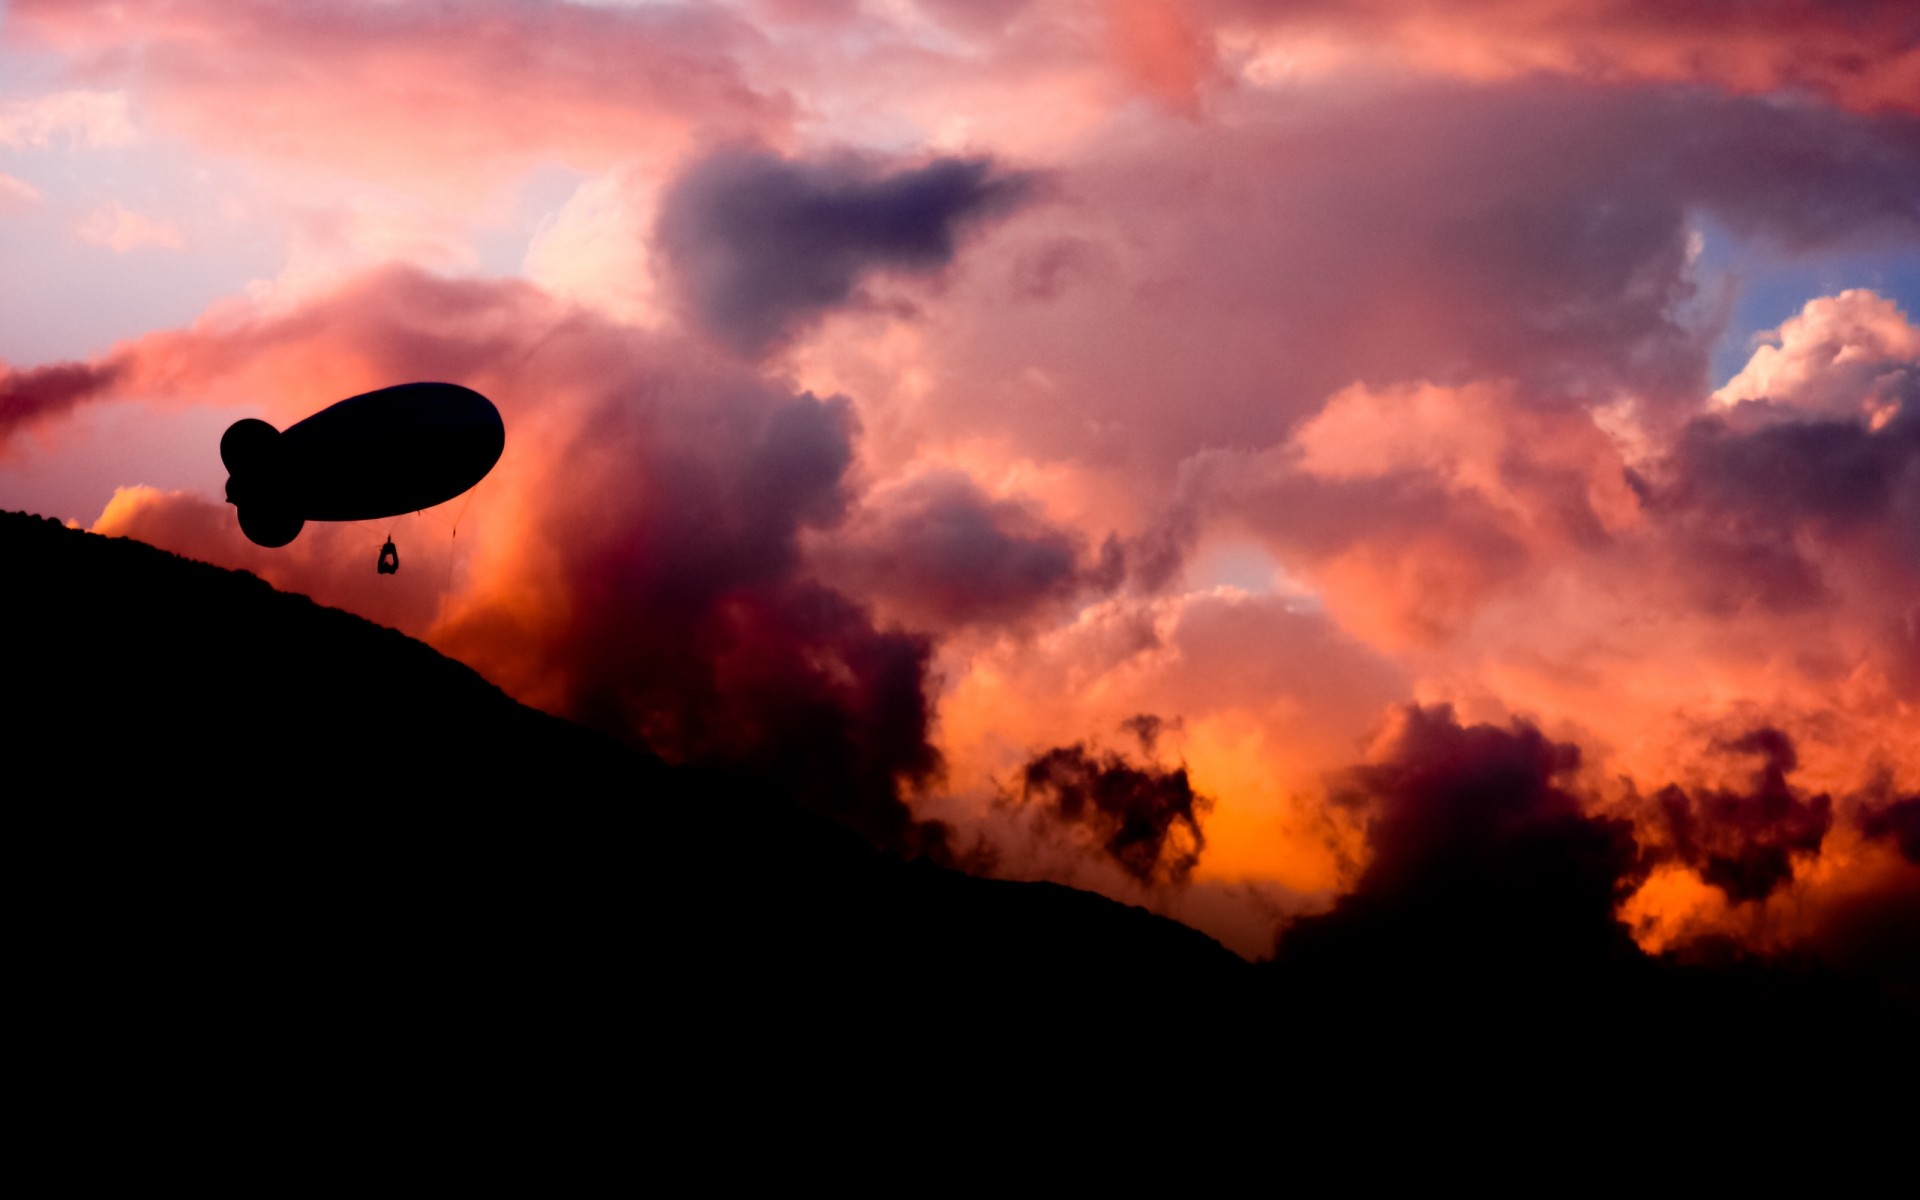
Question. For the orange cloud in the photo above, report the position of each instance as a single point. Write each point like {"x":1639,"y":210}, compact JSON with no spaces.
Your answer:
{"x":1865,"y":56}
{"x":1169,"y":53}
{"x":1429,"y":350}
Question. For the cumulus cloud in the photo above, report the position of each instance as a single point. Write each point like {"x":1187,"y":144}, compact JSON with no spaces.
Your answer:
{"x":1143,"y":817}
{"x":1854,"y":355}
{"x":759,"y":244}
{"x":16,"y":193}
{"x":1492,"y":856}
{"x":635,"y":558}
{"x":418,"y":96}
{"x":120,"y":229}
{"x":79,"y":118}
{"x":1865,"y":55}
{"x":594,"y":249}
{"x":1483,"y":863}
{"x":1745,"y":843}
{"x":942,"y":554}
{"x":1839,"y":476}
{"x":1803,"y":494}
{"x":1428,"y":349}
{"x":1531,"y":235}
{"x":1899,"y":822}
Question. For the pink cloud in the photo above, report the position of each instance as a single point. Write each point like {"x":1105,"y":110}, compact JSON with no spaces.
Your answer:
{"x":16,"y":194}
{"x":121,"y":229}
{"x":937,"y":552}
{"x":1430,"y":347}
{"x":79,"y":118}
{"x":1850,"y":355}
{"x":432,"y":99}
{"x":633,"y":561}
{"x":1863,"y":55}
{"x":1159,"y":301}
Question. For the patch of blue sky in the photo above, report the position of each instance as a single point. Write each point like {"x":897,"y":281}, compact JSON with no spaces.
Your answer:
{"x":1772,"y":284}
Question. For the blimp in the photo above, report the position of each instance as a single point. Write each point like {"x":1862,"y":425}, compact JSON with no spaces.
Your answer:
{"x":397,"y":450}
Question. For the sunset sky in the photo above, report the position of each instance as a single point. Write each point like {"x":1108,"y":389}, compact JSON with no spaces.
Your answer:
{"x":969,"y":413}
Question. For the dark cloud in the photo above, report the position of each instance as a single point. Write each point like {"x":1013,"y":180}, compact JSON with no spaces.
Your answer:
{"x":1598,"y":259}
{"x":639,"y":566}
{"x":1836,"y":475}
{"x":47,"y":391}
{"x":1483,"y":865}
{"x":1761,"y":515}
{"x":941,"y":553}
{"x":1897,"y":821}
{"x":758,"y":244}
{"x":686,"y":619}
{"x":1744,"y":842}
{"x":1144,"y":818}
{"x":1485,"y":923}
{"x":1147,"y":728}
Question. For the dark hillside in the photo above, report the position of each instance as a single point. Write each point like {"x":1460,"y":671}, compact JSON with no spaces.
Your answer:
{"x":276,"y":850}
{"x":240,"y":814}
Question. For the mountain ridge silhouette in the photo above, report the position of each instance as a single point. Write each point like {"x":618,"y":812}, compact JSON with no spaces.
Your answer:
{"x":222,"y":766}
{"x":278,"y":849}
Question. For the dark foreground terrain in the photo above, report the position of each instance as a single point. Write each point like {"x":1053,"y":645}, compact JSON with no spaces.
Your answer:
{"x":268,"y":851}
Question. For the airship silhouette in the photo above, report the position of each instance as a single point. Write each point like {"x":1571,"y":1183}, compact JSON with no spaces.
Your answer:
{"x":381,"y":454}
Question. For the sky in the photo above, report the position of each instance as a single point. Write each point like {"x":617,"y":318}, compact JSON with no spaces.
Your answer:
{"x":1120,"y":442}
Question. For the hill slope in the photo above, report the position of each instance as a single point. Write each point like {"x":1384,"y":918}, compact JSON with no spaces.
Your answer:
{"x":273,"y":848}
{"x":229,"y":799}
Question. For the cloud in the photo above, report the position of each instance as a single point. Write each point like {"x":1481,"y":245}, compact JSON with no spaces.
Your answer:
{"x":1854,"y":355}
{"x":633,"y":562}
{"x":594,"y":249}
{"x":39,"y":393}
{"x":79,"y":118}
{"x":1899,"y":822}
{"x":425,"y":98}
{"x":942,"y":554}
{"x":1530,"y":235}
{"x":649,"y":581}
{"x":1483,"y":863}
{"x":120,"y":230}
{"x":1426,"y":353}
{"x":1411,"y":508}
{"x":1165,"y":51}
{"x":16,"y":193}
{"x":1865,"y":55}
{"x":1493,"y":858}
{"x":982,"y":17}
{"x":759,"y":244}
{"x":1745,"y":843}
{"x":1144,"y":818}
{"x":1802,"y":495}
{"x":1838,"y":476}
{"x":1494,"y":898}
